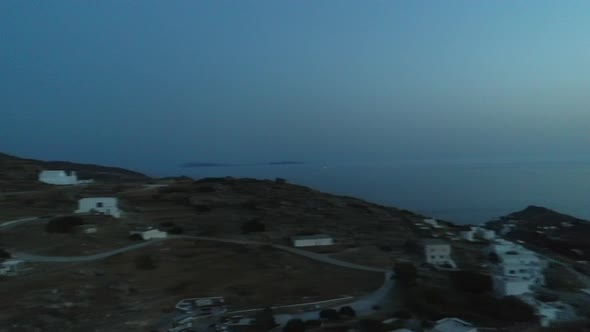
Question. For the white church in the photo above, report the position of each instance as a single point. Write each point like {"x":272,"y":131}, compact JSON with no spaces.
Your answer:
{"x":61,"y":178}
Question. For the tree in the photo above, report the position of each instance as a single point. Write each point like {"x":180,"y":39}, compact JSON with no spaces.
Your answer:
{"x":4,"y":254}
{"x":145,"y":262}
{"x":371,"y":325}
{"x":252,"y":226}
{"x":471,"y":282}
{"x":294,"y":325}
{"x":347,"y":311}
{"x":406,"y":273}
{"x":176,"y":230}
{"x":135,"y":237}
{"x":329,"y":314}
{"x":265,"y":319}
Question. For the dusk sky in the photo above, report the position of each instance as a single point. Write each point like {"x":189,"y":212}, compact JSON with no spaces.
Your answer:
{"x":160,"y":83}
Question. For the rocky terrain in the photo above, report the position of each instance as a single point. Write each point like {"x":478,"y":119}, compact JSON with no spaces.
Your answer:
{"x":547,"y":230}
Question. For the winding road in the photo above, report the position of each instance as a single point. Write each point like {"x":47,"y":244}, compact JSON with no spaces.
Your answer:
{"x":87,"y":258}
{"x":363,"y":306}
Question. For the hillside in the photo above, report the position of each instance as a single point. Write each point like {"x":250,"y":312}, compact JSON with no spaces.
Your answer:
{"x":547,"y":230}
{"x":21,"y":173}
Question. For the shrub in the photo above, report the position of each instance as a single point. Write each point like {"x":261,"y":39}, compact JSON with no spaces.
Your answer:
{"x":265,"y":319}
{"x":347,"y":311}
{"x":385,"y":248}
{"x":145,"y":262}
{"x":371,"y":325}
{"x":313,"y":322}
{"x":294,"y":325}
{"x":63,"y":224}
{"x":176,"y":230}
{"x":402,"y":314}
{"x":252,"y":226}
{"x":472,"y":282}
{"x":329,"y":314}
{"x":406,"y":273}
{"x":251,"y":205}
{"x":205,"y":189}
{"x":4,"y":254}
{"x":203,"y":208}
{"x":280,"y":181}
{"x":167,"y":224}
{"x":135,"y":237}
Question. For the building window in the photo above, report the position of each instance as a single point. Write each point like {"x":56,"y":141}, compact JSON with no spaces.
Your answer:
{"x":99,"y":204}
{"x":512,"y":272}
{"x":433,"y":257}
{"x":441,"y":256}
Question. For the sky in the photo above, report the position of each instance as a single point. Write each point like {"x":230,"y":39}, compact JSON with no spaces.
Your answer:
{"x":148,"y":84}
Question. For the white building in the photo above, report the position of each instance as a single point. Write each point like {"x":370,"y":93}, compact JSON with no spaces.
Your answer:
{"x":101,"y":205}
{"x":11,"y":267}
{"x":61,"y":178}
{"x":507,"y":286}
{"x":468,"y":235}
{"x":438,"y":252}
{"x":432,"y":222}
{"x":518,"y":270}
{"x":484,"y":233}
{"x":312,"y":240}
{"x":551,"y":312}
{"x":453,"y":325}
{"x":203,"y":306}
{"x":149,"y":233}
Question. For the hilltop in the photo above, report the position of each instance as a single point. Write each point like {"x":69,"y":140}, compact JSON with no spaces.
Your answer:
{"x":548,"y":230}
{"x":21,"y":173}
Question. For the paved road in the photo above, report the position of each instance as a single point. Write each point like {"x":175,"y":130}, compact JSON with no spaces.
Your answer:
{"x":18,"y":221}
{"x":363,"y":306}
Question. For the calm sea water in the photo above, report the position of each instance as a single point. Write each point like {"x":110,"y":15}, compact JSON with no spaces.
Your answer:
{"x":462,"y":191}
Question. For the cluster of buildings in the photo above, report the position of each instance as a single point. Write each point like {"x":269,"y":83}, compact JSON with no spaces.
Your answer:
{"x":518,"y":269}
{"x":477,"y":232}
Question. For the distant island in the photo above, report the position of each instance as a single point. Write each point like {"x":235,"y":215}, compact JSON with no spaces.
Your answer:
{"x":209,"y":164}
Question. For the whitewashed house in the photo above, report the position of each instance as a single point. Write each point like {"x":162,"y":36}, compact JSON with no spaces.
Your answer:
{"x":453,"y":325}
{"x":312,"y":240}
{"x":100,"y":205}
{"x":438,"y":252}
{"x":468,"y":235}
{"x":484,"y":233}
{"x":518,"y":270}
{"x":11,"y":267}
{"x":550,"y":313}
{"x":149,"y":233}
{"x":432,"y":222}
{"x":509,"y":286}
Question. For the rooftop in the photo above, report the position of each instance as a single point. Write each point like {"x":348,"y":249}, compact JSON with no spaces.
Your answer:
{"x":434,"y":241}
{"x":453,"y":325}
{"x":310,"y":237}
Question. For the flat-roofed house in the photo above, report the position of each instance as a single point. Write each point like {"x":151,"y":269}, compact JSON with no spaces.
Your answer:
{"x":438,"y":252}
{"x":100,"y":205}
{"x":312,"y":240}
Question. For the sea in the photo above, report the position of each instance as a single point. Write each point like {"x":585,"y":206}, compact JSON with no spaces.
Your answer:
{"x":464,"y":191}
